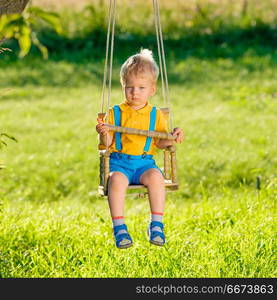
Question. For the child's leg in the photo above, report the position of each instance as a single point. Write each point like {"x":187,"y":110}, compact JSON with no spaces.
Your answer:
{"x":117,"y":186}
{"x":154,"y":181}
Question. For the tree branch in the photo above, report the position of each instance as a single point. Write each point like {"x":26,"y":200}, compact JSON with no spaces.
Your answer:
{"x":12,"y":6}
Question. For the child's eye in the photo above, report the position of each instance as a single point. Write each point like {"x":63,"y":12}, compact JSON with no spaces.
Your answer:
{"x":142,"y":87}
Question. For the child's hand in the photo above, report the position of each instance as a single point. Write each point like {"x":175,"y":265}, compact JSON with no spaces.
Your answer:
{"x":101,"y":128}
{"x":179,"y":133}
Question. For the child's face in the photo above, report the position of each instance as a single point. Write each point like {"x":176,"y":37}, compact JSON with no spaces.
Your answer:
{"x":138,"y":89}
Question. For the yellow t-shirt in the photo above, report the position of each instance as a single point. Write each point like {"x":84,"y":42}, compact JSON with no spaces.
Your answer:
{"x":139,"y":119}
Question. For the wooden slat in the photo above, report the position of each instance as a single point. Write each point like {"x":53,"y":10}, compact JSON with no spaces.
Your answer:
{"x":101,"y":116}
{"x":155,"y":134}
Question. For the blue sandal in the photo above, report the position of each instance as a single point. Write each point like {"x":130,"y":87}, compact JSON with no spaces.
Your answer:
{"x":156,"y":236}
{"x":122,"y":240}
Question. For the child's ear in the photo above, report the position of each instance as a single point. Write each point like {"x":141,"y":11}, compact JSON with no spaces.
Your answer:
{"x":154,"y":89}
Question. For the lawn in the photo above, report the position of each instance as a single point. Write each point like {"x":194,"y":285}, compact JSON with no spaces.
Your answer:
{"x":222,"y":220}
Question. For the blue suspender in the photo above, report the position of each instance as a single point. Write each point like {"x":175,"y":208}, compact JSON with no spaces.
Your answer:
{"x":117,"y":122}
{"x":151,"y":128}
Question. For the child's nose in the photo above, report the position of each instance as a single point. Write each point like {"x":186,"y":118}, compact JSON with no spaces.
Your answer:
{"x":135,"y":91}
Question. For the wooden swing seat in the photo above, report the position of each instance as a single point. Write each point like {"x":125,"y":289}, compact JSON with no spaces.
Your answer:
{"x":170,"y":164}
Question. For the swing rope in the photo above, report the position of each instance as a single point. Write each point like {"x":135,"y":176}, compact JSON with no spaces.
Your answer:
{"x":162,"y":61}
{"x":159,"y":50}
{"x":110,"y":39}
{"x":109,"y":59}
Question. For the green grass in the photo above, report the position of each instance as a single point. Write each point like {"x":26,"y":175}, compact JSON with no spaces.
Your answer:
{"x":53,"y":223}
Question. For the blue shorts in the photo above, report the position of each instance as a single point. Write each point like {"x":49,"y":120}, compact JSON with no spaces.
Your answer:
{"x":132,"y":166}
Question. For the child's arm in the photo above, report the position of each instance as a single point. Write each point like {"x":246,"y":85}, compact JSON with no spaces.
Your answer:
{"x":105,"y":137}
{"x":161,"y":143}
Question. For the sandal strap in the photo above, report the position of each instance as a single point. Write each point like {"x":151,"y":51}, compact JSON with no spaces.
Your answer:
{"x":121,"y":236}
{"x":119,"y":227}
{"x":156,"y":223}
{"x":155,"y":233}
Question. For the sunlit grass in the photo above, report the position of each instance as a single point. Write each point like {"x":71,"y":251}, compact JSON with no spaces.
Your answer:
{"x":53,"y":223}
{"x":224,"y":236}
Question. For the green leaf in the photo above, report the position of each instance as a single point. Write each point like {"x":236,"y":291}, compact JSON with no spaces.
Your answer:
{"x":53,"y":19}
{"x":10,"y":24}
{"x":42,"y":48}
{"x":24,"y":41}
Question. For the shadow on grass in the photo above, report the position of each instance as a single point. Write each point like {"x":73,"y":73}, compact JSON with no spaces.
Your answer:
{"x":228,"y":42}
{"x":80,"y":61}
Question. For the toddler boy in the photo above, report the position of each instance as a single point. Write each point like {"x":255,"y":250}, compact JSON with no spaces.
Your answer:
{"x":131,"y":159}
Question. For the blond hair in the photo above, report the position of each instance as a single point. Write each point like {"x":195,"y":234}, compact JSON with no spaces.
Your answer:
{"x":139,"y":63}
